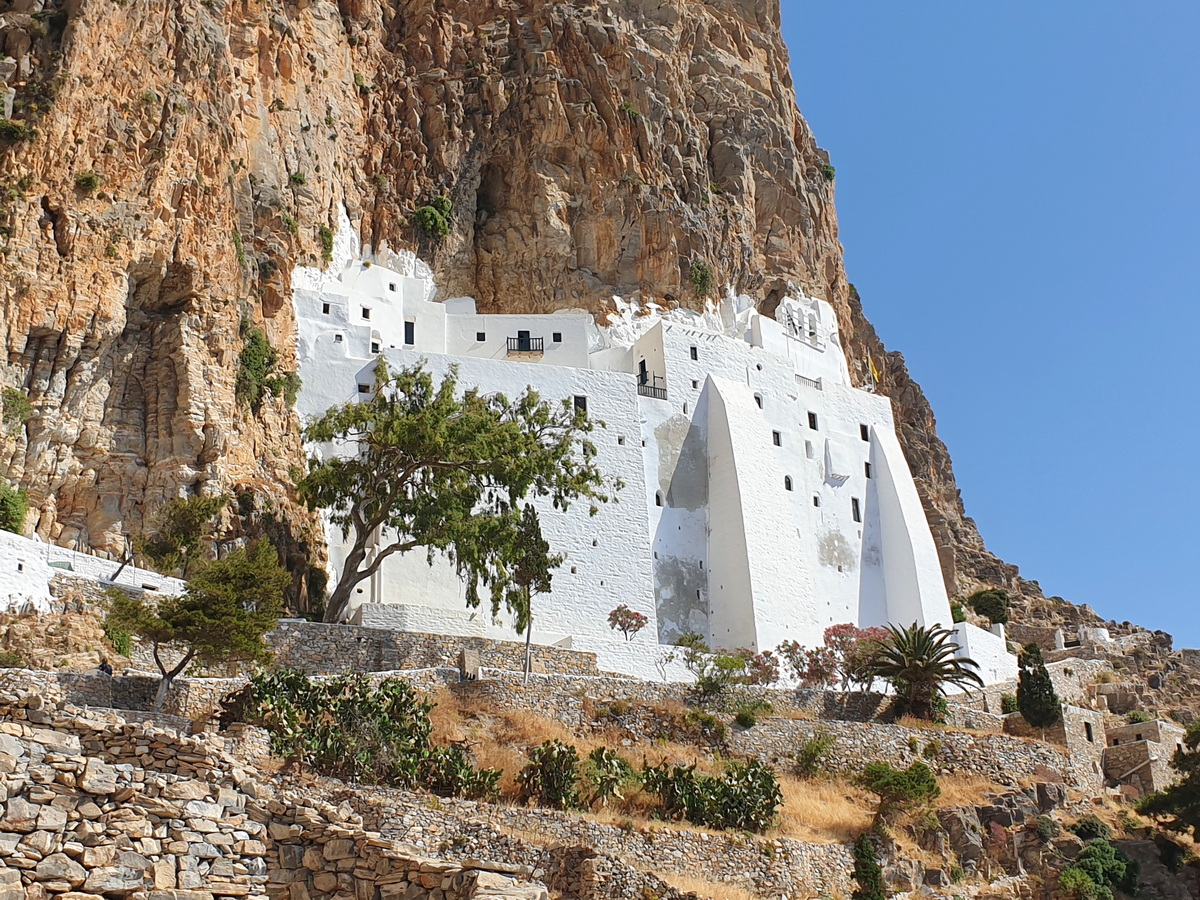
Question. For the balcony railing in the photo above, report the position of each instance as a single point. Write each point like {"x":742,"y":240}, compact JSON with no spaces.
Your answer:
{"x":809,"y":382}
{"x":652,"y":386}
{"x":519,"y":346}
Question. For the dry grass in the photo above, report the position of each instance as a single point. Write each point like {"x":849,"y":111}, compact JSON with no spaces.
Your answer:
{"x":719,"y":890}
{"x":823,"y":810}
{"x":964,"y":789}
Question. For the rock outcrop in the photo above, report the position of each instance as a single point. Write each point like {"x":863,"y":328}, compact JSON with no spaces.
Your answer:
{"x":187,"y":155}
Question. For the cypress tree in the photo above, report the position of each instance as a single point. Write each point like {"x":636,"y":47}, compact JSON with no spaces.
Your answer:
{"x":867,"y":872}
{"x":1036,"y":700}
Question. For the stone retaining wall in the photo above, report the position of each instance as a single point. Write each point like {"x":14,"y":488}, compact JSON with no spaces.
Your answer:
{"x":318,"y":648}
{"x":999,"y":758}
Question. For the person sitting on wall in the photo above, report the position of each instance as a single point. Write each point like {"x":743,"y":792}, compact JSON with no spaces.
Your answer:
{"x":105,"y":666}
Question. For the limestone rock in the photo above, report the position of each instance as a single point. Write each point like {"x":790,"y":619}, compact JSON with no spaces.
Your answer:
{"x":60,"y":867}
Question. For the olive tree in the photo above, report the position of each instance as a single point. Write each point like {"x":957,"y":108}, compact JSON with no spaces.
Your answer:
{"x":447,"y":470}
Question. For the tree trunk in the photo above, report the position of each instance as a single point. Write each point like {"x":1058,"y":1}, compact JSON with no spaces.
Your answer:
{"x":160,"y":697}
{"x":339,"y":601}
{"x":528,"y":650}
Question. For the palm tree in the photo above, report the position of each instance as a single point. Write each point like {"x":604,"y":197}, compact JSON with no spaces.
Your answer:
{"x":919,"y":661}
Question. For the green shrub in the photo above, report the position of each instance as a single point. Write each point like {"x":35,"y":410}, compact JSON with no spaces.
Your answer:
{"x":14,"y":506}
{"x":16,"y":131}
{"x":11,"y":659}
{"x":552,"y":776}
{"x":957,"y":613}
{"x":932,"y":749}
{"x":325,"y":236}
{"x":239,"y":248}
{"x":1008,"y":703}
{"x":1090,"y":827}
{"x":298,"y":178}
{"x":703,"y":279}
{"x":868,"y":874}
{"x":1097,"y":869}
{"x":745,"y":798}
{"x":992,"y":603}
{"x":1046,"y":829}
{"x":630,"y":110}
{"x":899,"y":789}
{"x":433,"y":221}
{"x":256,"y":372}
{"x":828,"y":171}
{"x":348,"y":728}
{"x":448,"y":772}
{"x":609,"y":774}
{"x":87,"y":181}
{"x":16,"y":408}
{"x":1136,"y":717}
{"x":747,"y":712}
{"x":813,"y":753}
{"x":121,"y":640}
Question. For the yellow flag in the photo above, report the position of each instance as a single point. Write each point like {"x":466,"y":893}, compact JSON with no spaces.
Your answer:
{"x":874,"y":371}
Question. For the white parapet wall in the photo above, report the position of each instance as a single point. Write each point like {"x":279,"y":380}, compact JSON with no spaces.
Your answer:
{"x":989,"y":650}
{"x":27,"y":566}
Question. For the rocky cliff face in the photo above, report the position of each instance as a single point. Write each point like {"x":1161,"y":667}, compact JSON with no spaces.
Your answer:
{"x":588,"y":149}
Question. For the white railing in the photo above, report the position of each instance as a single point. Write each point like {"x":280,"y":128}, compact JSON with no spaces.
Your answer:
{"x":809,"y":382}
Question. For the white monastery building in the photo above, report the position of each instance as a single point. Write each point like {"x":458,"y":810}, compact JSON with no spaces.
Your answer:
{"x":765,"y":497}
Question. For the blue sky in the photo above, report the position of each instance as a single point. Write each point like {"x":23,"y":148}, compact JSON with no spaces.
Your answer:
{"x":1018,"y":187}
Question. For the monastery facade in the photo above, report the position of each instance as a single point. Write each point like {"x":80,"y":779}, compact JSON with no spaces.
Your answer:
{"x":765,"y":497}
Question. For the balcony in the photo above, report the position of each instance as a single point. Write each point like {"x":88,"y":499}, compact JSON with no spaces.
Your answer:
{"x":652,"y":386}
{"x":525,"y":346}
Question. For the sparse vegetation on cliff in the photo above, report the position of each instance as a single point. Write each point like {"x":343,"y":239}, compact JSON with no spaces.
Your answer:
{"x":433,"y":221}
{"x":702,"y":277}
{"x":257,"y":372}
{"x":14,"y":506}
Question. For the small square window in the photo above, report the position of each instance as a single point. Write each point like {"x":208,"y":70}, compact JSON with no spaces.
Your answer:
{"x":581,"y":402}
{"x":758,"y":400}
{"x":855,"y":509}
{"x":695,"y":384}
{"x":776,"y":438}
{"x":787,"y":482}
{"x":364,"y":389}
{"x":480,"y":336}
{"x":325,"y":308}
{"x":557,"y":337}
{"x":620,"y":440}
{"x":337,"y":338}
{"x":391,"y":286}
{"x":410,"y":332}
{"x":374,"y":346}
{"x":366,"y":313}
{"x":867,"y":467}
{"x":812,"y":421}
{"x":816,"y":500}
{"x":864,"y":432}
{"x":695,"y":353}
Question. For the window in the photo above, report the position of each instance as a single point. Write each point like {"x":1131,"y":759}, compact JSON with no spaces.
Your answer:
{"x":325,"y":308}
{"x":364,"y":389}
{"x":812,"y":421}
{"x":695,"y":384}
{"x":374,"y":346}
{"x":410,"y":332}
{"x":1087,"y":727}
{"x":758,"y":400}
{"x":776,"y":438}
{"x":658,"y":501}
{"x":391,"y":286}
{"x":864,"y":432}
{"x":867,"y":467}
{"x":1137,"y":737}
{"x":556,"y":337}
{"x":787,"y":482}
{"x":695,"y":353}
{"x":816,"y":500}
{"x":481,"y":336}
{"x":685,"y":409}
{"x":337,"y":338}
{"x":855,"y":509}
{"x":620,"y":440}
{"x":808,"y":449}
{"x":366,"y":313}
{"x":581,"y":402}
